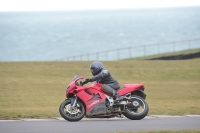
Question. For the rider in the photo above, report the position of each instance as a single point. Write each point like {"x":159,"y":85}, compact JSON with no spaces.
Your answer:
{"x":103,"y":76}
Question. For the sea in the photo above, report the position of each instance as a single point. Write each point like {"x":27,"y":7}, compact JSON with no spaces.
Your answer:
{"x":61,"y":35}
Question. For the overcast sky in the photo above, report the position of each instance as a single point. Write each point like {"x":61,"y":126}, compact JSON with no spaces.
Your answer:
{"x":38,"y":5}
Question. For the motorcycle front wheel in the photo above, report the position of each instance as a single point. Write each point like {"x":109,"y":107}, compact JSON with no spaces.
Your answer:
{"x":72,"y":113}
{"x":136,"y":109}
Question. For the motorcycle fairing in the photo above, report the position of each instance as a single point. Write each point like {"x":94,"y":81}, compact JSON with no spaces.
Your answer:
{"x":94,"y":100}
{"x":127,"y":88}
{"x":98,"y":109}
{"x":72,"y":85}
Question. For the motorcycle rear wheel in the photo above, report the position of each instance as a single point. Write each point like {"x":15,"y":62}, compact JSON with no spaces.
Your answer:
{"x":72,"y":114}
{"x":136,"y":109}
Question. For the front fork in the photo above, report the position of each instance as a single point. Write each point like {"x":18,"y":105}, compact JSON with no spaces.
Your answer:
{"x":73,"y":101}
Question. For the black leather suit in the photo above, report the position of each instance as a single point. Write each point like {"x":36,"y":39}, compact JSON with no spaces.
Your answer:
{"x":109,"y":83}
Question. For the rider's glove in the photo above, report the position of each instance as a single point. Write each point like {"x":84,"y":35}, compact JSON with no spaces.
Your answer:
{"x":88,"y":80}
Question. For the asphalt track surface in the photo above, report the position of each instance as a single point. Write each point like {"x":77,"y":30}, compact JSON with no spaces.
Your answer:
{"x":100,"y":125}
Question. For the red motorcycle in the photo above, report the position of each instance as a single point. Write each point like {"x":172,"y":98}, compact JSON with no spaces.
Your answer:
{"x":90,"y":101}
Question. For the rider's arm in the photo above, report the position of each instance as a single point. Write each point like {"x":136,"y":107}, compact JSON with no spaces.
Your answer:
{"x":100,"y":76}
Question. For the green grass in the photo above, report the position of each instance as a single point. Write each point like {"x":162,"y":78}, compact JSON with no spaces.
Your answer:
{"x":36,"y":89}
{"x":184,"y":52}
{"x":167,"y":131}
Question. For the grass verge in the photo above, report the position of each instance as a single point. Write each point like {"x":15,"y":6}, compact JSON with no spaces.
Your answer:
{"x":36,"y":89}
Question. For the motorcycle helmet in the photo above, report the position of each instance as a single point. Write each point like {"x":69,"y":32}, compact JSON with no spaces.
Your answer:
{"x":96,"y":67}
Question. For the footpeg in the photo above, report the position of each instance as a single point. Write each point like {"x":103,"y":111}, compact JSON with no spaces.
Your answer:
{"x":128,"y":96}
{"x":121,"y":103}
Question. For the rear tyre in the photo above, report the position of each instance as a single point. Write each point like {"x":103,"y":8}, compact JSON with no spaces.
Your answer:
{"x":136,"y":109}
{"x":72,"y":114}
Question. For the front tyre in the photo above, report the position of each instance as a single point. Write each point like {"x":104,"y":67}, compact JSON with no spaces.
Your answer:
{"x":136,"y":109}
{"x":72,"y":114}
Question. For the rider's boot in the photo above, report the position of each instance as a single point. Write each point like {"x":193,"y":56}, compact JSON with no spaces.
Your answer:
{"x":113,"y":92}
{"x":118,"y":98}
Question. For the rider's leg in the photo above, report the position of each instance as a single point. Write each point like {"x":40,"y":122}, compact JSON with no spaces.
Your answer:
{"x":112,"y":92}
